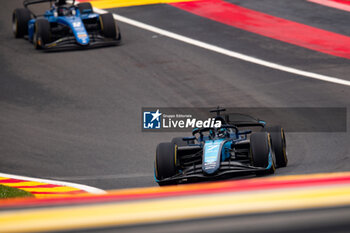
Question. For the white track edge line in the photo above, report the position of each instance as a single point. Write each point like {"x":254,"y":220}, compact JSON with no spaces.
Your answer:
{"x":225,"y":51}
{"x":86,"y":188}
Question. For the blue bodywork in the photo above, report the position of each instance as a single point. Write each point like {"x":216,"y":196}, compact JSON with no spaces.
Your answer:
{"x":74,"y":28}
{"x":75,"y":23}
{"x":218,"y":150}
{"x":212,"y":154}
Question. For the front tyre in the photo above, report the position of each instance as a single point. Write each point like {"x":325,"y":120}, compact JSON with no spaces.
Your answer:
{"x":260,"y":152}
{"x":279,"y":146}
{"x":42,"y":33}
{"x":165,"y":163}
{"x":20,"y":18}
{"x":108,"y":27}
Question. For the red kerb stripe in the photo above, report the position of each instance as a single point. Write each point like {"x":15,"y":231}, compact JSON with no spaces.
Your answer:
{"x":64,"y":193}
{"x":346,"y":2}
{"x":270,"y":26}
{"x":37,"y":186}
{"x":220,"y":187}
{"x":11,"y":181}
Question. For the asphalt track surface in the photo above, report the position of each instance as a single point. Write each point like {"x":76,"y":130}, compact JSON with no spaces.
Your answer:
{"x":76,"y":115}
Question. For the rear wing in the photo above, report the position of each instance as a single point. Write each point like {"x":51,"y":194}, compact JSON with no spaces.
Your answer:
{"x":27,"y":3}
{"x":241,"y":120}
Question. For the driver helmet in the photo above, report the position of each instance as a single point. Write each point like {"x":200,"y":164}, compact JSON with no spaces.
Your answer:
{"x":62,"y":11}
{"x":211,"y":133}
{"x":222,"y":133}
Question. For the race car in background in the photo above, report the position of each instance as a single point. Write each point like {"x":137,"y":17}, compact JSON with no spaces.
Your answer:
{"x":213,"y":153}
{"x":65,"y":26}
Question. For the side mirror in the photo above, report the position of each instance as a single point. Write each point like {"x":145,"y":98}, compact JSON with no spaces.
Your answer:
{"x":189,"y":138}
{"x":86,"y":11}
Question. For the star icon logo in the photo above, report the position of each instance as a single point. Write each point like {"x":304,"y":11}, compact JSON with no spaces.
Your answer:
{"x":151,"y":119}
{"x":156,"y":115}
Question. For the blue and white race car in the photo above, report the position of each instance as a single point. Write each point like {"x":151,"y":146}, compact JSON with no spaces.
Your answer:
{"x":65,"y":26}
{"x":213,"y":153}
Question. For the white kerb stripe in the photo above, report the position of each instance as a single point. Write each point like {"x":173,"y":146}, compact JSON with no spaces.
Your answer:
{"x":56,"y":182}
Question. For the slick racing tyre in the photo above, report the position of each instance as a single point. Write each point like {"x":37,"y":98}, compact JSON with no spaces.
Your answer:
{"x":85,"y":7}
{"x":108,"y":26}
{"x":42,"y":33}
{"x":260,"y":148}
{"x":279,"y":146}
{"x":20,"y":18}
{"x":165,"y":164}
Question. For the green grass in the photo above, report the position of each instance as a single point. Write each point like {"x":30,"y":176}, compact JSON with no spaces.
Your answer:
{"x":9,"y":192}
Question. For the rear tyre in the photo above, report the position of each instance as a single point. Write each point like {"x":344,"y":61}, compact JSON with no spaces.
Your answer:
{"x":165,"y":164}
{"x":20,"y":18}
{"x":279,"y":146}
{"x":42,"y":33}
{"x":260,"y":148}
{"x":85,"y":6}
{"x":108,"y":26}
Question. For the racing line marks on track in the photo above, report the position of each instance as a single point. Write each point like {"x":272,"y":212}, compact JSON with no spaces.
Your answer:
{"x":42,"y":188}
{"x":226,"y":52}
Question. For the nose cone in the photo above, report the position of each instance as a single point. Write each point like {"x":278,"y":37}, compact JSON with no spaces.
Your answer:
{"x":79,"y":30}
{"x":82,"y":38}
{"x":211,"y":156}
